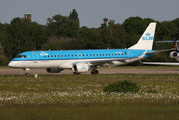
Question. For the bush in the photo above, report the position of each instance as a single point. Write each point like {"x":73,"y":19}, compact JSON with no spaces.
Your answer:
{"x":122,"y":87}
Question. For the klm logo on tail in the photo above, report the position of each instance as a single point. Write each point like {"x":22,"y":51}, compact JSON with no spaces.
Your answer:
{"x":147,"y":37}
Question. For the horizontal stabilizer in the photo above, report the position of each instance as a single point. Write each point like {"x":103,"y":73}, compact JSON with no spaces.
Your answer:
{"x":166,"y":41}
{"x":159,"y":51}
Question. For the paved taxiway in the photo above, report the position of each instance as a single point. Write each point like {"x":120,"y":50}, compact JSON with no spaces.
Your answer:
{"x":101,"y":71}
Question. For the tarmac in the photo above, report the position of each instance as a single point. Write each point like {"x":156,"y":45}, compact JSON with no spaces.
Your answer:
{"x":101,"y":71}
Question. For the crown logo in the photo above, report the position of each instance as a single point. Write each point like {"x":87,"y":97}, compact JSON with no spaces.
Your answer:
{"x":83,"y":68}
{"x":147,"y":34}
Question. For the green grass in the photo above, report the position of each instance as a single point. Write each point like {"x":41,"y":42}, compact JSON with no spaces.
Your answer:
{"x":82,"y":97}
{"x":5,"y":67}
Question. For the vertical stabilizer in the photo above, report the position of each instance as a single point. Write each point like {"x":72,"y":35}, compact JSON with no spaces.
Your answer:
{"x":146,"y":40}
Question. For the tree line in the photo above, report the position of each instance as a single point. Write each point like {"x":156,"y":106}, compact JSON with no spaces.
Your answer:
{"x":64,"y":33}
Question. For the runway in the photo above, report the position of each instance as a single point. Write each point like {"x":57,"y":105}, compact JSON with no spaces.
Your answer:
{"x":101,"y":71}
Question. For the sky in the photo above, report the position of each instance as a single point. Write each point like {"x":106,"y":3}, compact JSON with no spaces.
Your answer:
{"x":90,"y":12}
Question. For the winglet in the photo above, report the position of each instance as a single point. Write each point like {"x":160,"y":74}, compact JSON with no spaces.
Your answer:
{"x":146,"y":40}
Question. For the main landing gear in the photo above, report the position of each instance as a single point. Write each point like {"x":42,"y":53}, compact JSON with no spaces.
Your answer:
{"x":94,"y":72}
{"x":26,"y":71}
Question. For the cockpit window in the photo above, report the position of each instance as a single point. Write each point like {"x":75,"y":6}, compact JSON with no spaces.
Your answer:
{"x":21,"y":56}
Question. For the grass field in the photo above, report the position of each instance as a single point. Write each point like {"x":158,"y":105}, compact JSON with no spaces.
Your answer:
{"x":82,"y":97}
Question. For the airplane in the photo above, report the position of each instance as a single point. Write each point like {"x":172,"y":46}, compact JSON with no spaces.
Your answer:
{"x":81,"y":61}
{"x":173,"y":54}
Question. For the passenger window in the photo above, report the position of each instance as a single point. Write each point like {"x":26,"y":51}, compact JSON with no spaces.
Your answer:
{"x":68,"y":55}
{"x":58,"y":55}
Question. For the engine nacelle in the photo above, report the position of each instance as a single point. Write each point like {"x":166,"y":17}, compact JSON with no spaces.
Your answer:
{"x":80,"y":68}
{"x":174,"y":54}
{"x":53,"y":70}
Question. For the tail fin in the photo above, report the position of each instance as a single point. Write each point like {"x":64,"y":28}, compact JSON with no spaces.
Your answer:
{"x":146,"y":40}
{"x":175,"y":45}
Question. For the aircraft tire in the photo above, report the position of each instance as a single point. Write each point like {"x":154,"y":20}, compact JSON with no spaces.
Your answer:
{"x":94,"y":72}
{"x":76,"y":73}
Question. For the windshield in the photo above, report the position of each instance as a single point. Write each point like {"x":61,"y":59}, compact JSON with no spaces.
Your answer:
{"x":21,"y":56}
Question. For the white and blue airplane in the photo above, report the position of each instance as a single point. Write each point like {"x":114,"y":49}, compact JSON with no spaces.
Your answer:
{"x":81,"y":61}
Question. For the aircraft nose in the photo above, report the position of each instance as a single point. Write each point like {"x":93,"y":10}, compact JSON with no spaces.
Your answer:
{"x":12,"y":64}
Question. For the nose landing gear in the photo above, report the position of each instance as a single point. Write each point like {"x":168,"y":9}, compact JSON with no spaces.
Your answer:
{"x":26,"y":71}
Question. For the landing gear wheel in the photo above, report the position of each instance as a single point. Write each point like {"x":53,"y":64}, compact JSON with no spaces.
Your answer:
{"x":94,"y":72}
{"x":76,"y":73}
{"x":26,"y":71}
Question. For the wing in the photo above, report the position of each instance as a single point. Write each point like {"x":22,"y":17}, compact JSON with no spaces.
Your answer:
{"x":160,"y":63}
{"x":105,"y":61}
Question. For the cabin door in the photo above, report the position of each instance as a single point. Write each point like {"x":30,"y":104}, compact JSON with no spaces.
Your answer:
{"x":35,"y":57}
{"x":130,"y":54}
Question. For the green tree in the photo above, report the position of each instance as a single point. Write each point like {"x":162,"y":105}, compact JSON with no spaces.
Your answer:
{"x":1,"y":25}
{"x":110,"y":35}
{"x":135,"y":25}
{"x":22,"y":35}
{"x":87,"y":37}
{"x":176,"y":21}
{"x":167,"y":30}
{"x":63,"y":26}
{"x":74,"y":16}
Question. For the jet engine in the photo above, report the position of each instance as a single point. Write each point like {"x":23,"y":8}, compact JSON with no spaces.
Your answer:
{"x":53,"y":70}
{"x":80,"y":68}
{"x":174,"y":54}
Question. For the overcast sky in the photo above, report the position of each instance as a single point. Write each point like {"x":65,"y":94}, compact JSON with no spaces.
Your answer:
{"x":90,"y":12}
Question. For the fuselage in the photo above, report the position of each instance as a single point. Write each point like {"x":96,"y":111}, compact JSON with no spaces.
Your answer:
{"x":66,"y":58}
